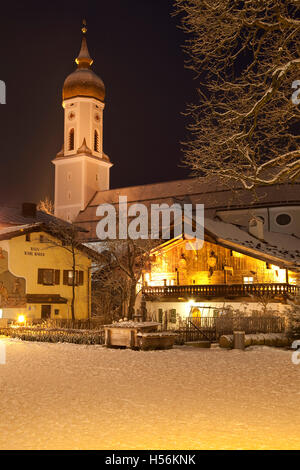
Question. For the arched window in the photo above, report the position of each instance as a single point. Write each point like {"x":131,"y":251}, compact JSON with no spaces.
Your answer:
{"x":96,"y":141}
{"x":71,"y":139}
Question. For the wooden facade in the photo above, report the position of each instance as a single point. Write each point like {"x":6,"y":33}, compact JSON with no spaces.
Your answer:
{"x":210,"y":271}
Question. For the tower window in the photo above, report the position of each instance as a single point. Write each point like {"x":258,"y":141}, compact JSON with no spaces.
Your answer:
{"x":71,"y":139}
{"x":96,"y":141}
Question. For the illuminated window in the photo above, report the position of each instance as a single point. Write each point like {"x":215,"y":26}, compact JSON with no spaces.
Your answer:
{"x":68,"y":278}
{"x":248,"y":280}
{"x":71,"y":139}
{"x":96,"y":141}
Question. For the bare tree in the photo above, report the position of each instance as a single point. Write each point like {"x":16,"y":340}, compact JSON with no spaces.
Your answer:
{"x":46,"y":205}
{"x":264,"y":299}
{"x":245,"y":55}
{"x":109,"y":290}
{"x":65,"y":236}
{"x":127,"y":259}
{"x":293,"y":324}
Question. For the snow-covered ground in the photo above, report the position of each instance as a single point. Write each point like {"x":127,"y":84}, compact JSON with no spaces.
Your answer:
{"x":65,"y":396}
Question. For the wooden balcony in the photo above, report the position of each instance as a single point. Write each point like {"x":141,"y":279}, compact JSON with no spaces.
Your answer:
{"x":219,"y":291}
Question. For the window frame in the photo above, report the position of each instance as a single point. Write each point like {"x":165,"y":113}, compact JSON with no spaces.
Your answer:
{"x":55,"y":277}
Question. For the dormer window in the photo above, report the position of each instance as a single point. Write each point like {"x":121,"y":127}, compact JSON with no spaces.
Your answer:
{"x":71,"y":139}
{"x":96,"y":141}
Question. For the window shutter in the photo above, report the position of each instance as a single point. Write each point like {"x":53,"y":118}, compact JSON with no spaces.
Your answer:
{"x":40,"y":276}
{"x":57,"y":277}
{"x":66,"y":277}
{"x":80,"y":278}
{"x":173,"y":316}
{"x":160,"y":315}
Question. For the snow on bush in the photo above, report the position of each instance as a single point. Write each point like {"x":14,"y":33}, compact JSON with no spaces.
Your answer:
{"x":55,"y":335}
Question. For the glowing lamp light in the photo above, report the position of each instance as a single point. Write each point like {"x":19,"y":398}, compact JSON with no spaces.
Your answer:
{"x":21,"y":319}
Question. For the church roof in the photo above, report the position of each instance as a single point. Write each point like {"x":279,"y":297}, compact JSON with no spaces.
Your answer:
{"x":280,"y":248}
{"x":214,"y":196}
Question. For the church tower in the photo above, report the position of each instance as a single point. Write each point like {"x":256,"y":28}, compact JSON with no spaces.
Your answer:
{"x":81,"y":167}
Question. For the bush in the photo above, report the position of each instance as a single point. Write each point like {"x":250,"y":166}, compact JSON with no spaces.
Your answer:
{"x":55,"y":335}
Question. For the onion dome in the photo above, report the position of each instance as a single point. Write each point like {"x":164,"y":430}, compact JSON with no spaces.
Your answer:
{"x":83,"y":81}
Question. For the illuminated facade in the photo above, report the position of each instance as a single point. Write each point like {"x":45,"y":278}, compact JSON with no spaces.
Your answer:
{"x":206,"y":282}
{"x":251,"y":246}
{"x":36,"y":270}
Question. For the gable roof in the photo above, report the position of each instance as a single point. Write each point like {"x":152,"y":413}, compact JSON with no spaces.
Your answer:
{"x":8,"y":233}
{"x":279,"y":248}
{"x":12,"y":215}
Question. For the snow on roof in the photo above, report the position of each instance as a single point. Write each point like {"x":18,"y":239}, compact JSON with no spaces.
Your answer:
{"x":18,"y":228}
{"x":132,"y":324}
{"x":192,"y":191}
{"x":280,"y":245}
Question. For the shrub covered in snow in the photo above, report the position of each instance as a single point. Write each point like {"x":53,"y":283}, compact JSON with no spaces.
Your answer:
{"x":55,"y":335}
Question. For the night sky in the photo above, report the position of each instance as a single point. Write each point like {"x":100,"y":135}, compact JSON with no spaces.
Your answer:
{"x":136,"y":47}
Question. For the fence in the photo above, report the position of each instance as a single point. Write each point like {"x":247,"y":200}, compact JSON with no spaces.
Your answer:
{"x":90,"y":324}
{"x":92,"y":331}
{"x":211,"y":328}
{"x":250,"y":325}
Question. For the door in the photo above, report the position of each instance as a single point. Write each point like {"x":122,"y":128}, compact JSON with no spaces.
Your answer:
{"x":46,"y":312}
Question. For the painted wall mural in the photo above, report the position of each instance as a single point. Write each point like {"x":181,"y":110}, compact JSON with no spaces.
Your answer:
{"x":12,"y":288}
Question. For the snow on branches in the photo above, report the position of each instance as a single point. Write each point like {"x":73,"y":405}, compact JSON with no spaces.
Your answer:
{"x":246,"y":57}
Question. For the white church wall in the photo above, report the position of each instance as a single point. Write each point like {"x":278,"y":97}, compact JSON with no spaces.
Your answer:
{"x":281,"y":219}
{"x":70,"y":184}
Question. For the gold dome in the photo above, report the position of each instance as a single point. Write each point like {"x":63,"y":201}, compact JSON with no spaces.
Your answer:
{"x":83,"y":81}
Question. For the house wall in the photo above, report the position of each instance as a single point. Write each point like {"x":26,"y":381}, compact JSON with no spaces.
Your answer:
{"x":24,"y":258}
{"x":213,"y":264}
{"x":209,"y":308}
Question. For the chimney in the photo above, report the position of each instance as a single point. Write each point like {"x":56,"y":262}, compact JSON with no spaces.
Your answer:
{"x":29,"y":209}
{"x":256,"y":227}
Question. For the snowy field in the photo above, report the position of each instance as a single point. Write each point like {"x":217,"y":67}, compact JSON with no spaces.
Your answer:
{"x":65,"y":396}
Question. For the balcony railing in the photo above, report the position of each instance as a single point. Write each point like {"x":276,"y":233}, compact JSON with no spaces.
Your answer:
{"x":221,"y":290}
